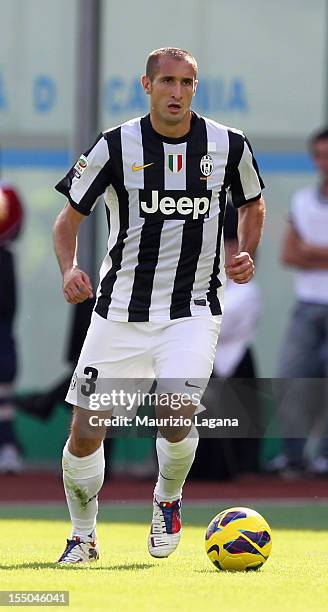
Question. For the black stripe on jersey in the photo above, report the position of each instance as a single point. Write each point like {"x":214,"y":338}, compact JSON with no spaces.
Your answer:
{"x":192,"y":235}
{"x":149,"y":245}
{"x":215,"y":283}
{"x":116,"y":253}
{"x":236,"y":148}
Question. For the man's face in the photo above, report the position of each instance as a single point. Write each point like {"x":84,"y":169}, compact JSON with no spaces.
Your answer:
{"x":320,"y":156}
{"x":171,"y":89}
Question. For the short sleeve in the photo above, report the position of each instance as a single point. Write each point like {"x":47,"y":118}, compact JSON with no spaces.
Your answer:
{"x":88,"y":178}
{"x":246,"y":182}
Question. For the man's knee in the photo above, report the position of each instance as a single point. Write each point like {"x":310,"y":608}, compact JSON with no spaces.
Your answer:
{"x":175,"y":423}
{"x":176,"y":428}
{"x":174,"y":434}
{"x":85,"y":439}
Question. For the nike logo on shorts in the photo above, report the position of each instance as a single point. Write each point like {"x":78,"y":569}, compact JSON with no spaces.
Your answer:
{"x":187,"y":383}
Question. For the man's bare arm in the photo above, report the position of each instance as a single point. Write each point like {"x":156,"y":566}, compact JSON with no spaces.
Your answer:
{"x":76,"y":283}
{"x":300,"y":254}
{"x":250,"y":227}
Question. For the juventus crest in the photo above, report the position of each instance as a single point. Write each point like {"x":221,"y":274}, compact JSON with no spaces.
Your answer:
{"x":206,"y":165}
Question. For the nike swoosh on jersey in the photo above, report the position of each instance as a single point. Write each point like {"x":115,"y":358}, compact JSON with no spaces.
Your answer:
{"x":188,"y":384}
{"x":135,"y":168}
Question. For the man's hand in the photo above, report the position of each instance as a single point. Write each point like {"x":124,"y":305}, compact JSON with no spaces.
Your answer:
{"x":76,"y":286}
{"x":241,"y":268}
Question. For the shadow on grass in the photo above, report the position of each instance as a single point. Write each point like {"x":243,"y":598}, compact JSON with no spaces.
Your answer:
{"x":127,"y":567}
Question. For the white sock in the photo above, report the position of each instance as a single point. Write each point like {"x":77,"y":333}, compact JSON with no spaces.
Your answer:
{"x":83,"y":478}
{"x":174,"y":460}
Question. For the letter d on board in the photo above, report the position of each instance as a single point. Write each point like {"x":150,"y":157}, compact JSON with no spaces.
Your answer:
{"x":44,"y":91}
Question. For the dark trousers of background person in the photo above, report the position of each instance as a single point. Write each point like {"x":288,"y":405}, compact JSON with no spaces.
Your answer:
{"x":8,"y":359}
{"x":303,"y":371}
{"x":226,"y":458}
{"x":8,"y":368}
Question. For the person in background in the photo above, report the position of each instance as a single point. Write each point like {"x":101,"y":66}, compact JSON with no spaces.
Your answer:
{"x":304,"y":354}
{"x":11,"y":219}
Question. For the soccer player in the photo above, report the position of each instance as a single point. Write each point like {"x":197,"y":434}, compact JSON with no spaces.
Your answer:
{"x":159,"y":303}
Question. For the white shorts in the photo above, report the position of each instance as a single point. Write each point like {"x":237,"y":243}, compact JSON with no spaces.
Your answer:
{"x":177,"y":354}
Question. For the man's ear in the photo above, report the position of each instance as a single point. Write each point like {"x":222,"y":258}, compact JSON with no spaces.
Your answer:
{"x":146,"y":84}
{"x":195,"y":87}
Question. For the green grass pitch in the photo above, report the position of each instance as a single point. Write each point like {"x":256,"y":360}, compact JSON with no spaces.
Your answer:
{"x":295,"y":578}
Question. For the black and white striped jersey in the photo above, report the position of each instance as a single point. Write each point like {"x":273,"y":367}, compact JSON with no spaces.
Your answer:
{"x":165,"y":202}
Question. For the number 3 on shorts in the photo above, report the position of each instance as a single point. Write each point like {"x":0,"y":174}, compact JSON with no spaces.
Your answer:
{"x":90,"y":387}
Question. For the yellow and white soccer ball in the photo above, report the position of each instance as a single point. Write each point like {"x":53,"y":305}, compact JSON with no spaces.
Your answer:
{"x":238,"y":539}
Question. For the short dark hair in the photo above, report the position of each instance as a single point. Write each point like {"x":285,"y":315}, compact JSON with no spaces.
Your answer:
{"x":174,"y":53}
{"x":317,"y":136}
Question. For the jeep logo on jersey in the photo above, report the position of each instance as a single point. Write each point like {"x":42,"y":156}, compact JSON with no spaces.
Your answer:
{"x":206,"y":165}
{"x":174,"y":204}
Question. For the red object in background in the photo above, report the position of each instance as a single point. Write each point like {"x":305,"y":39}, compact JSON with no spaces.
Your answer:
{"x":11,"y":214}
{"x":47,"y":487}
